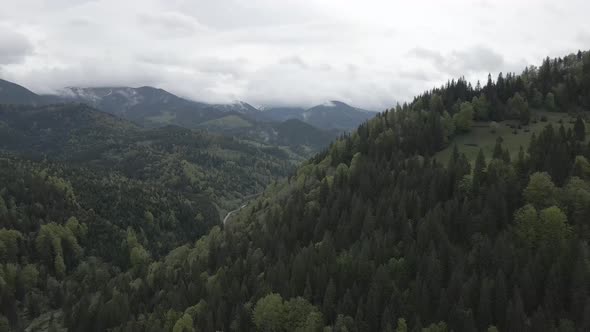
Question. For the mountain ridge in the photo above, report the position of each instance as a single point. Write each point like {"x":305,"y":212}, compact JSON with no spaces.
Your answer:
{"x":151,"y":106}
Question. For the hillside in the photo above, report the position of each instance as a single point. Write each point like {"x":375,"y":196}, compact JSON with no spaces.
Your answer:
{"x":373,"y":234}
{"x":176,"y":157}
{"x":11,"y":93}
{"x":282,"y":113}
{"x":484,"y":135}
{"x":294,"y":134}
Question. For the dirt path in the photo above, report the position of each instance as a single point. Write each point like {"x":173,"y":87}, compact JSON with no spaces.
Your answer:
{"x":248,"y":198}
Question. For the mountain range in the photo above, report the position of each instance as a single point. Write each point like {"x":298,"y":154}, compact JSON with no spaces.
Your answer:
{"x":329,"y":115}
{"x":153,"y":107}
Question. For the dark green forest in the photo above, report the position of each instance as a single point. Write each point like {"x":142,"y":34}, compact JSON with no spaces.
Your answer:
{"x":119,"y":230}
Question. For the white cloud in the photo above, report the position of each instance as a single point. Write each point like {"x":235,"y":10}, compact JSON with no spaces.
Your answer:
{"x":289,"y":52}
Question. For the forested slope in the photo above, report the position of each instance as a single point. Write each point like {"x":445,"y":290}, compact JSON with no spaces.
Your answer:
{"x":374,"y":234}
{"x":79,"y":185}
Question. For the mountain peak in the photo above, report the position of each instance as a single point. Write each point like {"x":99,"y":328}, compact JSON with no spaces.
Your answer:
{"x":334,"y":103}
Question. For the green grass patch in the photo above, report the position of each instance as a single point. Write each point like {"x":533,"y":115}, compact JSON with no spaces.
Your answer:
{"x":165,"y":117}
{"x":482,"y":137}
{"x":227,"y":122}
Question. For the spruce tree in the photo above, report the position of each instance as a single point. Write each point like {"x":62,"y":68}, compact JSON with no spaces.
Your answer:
{"x":580,"y":129}
{"x":479,"y":171}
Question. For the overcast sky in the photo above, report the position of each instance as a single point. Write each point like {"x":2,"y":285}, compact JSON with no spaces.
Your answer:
{"x":369,"y":53}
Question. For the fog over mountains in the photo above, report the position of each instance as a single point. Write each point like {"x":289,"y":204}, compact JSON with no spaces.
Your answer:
{"x":151,"y":107}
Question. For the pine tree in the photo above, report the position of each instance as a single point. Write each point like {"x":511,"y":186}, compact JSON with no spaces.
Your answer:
{"x":498,"y":151}
{"x":329,"y":302}
{"x":484,"y":310}
{"x":479,"y":171}
{"x":580,"y":129}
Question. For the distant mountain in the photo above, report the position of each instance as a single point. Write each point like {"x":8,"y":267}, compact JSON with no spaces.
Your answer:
{"x":297,"y":132}
{"x":123,"y":100}
{"x":282,"y":113}
{"x":147,"y":106}
{"x":237,"y":106}
{"x":330,"y":115}
{"x":291,"y":133}
{"x":336,"y":115}
{"x":151,"y":107}
{"x":11,"y":93}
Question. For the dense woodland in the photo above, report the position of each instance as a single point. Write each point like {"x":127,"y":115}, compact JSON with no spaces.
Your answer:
{"x":373,"y":234}
{"x":107,"y":178}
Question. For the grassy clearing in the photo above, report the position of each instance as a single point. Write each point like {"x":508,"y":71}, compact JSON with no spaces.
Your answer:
{"x":164,"y":118}
{"x":481,"y":136}
{"x":228,"y":122}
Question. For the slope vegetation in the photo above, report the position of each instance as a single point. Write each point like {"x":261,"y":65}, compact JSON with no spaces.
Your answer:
{"x":374,"y":234}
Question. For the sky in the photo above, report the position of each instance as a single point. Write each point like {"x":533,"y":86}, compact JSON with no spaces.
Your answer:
{"x":370,"y":53}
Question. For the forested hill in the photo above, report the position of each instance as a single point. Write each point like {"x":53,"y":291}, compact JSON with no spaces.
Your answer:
{"x":374,"y":234}
{"x":78,"y":186}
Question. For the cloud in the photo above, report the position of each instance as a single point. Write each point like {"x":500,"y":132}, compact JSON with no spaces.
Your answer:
{"x":584,"y":37}
{"x":462,"y":62}
{"x":370,"y":54}
{"x":14,"y":47}
{"x":240,"y":14}
{"x":170,"y":24}
{"x":475,"y":59}
{"x":416,"y":75}
{"x":423,"y":53}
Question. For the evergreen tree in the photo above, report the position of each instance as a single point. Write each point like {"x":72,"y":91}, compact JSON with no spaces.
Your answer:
{"x":479,"y":171}
{"x":580,"y":129}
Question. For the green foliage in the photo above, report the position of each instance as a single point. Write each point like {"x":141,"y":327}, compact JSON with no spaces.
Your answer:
{"x":59,"y":267}
{"x":270,"y":313}
{"x":537,"y":100}
{"x":55,"y":241}
{"x":520,"y":108}
{"x":550,"y":101}
{"x":479,"y":171}
{"x":526,"y":220}
{"x":541,"y":192}
{"x":10,"y":241}
{"x":554,"y":227}
{"x":439,"y":327}
{"x":4,"y":324}
{"x":463,"y":120}
{"x":481,"y":106}
{"x":29,"y":276}
{"x":448,"y":125}
{"x":401,"y":325}
{"x":548,"y":228}
{"x":184,"y":324}
{"x":436,"y":104}
{"x":580,"y":129}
